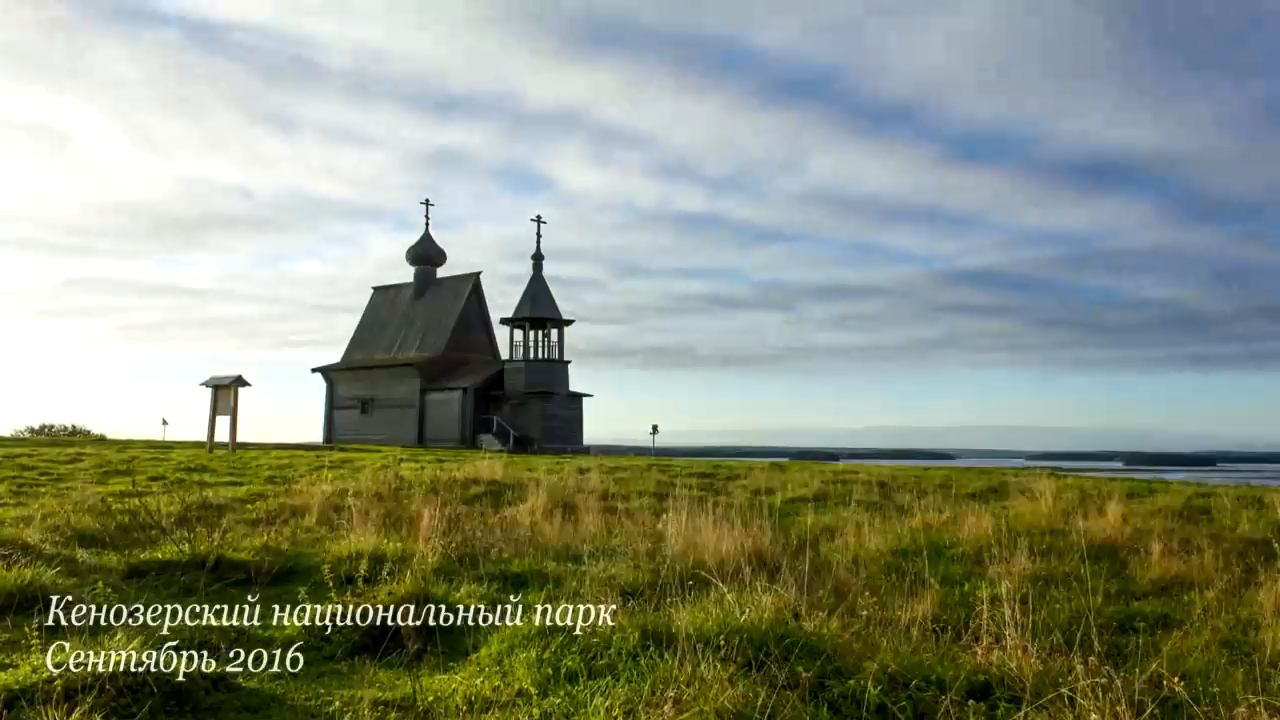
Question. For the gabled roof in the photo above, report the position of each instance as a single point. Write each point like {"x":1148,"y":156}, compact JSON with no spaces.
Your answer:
{"x":399,"y":328}
{"x":226,"y":381}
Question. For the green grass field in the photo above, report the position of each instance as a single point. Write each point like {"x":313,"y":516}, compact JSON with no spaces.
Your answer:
{"x":744,"y":589}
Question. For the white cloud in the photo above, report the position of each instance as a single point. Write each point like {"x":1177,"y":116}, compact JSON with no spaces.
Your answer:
{"x":232,"y":175}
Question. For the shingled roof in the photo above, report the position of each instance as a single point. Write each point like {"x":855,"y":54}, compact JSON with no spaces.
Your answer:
{"x":537,"y":302}
{"x":226,"y":381}
{"x":399,"y":328}
{"x":471,"y":374}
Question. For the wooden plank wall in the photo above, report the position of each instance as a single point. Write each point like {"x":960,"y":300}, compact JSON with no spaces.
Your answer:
{"x":443,"y":417}
{"x":561,"y":420}
{"x":521,"y":417}
{"x":553,"y":420}
{"x":522,"y":376}
{"x":394,"y":416}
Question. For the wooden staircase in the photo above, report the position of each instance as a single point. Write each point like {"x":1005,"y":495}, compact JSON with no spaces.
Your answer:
{"x":490,"y":443}
{"x":491,"y":439}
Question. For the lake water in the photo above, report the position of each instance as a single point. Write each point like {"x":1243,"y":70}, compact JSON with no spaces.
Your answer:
{"x":1225,"y":473}
{"x":1262,"y":474}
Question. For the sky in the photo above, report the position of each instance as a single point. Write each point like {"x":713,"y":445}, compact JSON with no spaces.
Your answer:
{"x":778,"y":218}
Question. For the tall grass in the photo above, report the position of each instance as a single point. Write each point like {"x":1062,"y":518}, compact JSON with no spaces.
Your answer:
{"x":744,"y":589}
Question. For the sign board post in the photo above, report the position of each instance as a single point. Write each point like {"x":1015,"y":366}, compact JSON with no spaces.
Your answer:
{"x":224,"y":401}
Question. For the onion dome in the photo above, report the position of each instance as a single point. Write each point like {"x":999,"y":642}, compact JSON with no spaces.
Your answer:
{"x":426,"y":252}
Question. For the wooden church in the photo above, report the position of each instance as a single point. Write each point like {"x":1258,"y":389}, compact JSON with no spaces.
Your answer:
{"x":424,"y":368}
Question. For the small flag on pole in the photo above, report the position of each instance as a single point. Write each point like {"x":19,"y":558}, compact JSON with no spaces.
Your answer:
{"x":164,"y":428}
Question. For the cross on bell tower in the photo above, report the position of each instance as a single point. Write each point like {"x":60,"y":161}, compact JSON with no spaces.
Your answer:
{"x":537,"y":256}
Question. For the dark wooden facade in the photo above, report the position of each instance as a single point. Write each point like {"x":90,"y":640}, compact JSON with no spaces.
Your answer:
{"x":423,"y":367}
{"x":554,"y":419}
{"x":373,"y":406}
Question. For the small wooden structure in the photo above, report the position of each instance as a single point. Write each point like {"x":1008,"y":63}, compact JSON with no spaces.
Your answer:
{"x":224,"y":399}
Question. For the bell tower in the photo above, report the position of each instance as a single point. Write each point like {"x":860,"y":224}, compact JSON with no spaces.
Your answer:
{"x":539,"y":403}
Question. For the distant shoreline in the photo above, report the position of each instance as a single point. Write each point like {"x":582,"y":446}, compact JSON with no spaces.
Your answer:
{"x":1126,"y":458}
{"x":1209,"y":458}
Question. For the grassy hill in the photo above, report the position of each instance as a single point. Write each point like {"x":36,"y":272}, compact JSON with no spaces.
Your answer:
{"x":789,"y":590}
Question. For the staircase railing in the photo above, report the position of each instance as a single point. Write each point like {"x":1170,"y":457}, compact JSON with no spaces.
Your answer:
{"x":496,"y":421}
